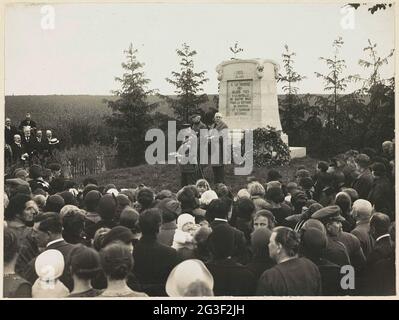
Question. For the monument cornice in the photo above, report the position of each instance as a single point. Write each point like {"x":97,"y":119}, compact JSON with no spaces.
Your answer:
{"x":257,"y":61}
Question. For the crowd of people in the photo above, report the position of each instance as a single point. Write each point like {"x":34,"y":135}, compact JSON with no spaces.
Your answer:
{"x":28,"y":144}
{"x":271,"y":238}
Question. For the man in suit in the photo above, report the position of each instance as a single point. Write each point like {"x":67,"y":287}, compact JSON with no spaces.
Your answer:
{"x":47,"y":234}
{"x":17,"y":149}
{"x":39,"y":142}
{"x":153,"y":261}
{"x":364,"y":181}
{"x":28,"y":122}
{"x":361,"y":212}
{"x":292,"y":276}
{"x":379,"y":276}
{"x":10,"y":131}
{"x":217,"y":214}
{"x":230,"y":278}
{"x":28,"y":141}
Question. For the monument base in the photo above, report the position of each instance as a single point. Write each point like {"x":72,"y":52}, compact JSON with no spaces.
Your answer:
{"x":297,"y":152}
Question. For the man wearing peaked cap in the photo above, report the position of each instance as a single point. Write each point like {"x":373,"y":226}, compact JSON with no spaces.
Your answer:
{"x":343,"y":248}
{"x":327,"y":214}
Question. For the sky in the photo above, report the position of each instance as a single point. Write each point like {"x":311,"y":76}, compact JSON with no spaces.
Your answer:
{"x":82,"y":51}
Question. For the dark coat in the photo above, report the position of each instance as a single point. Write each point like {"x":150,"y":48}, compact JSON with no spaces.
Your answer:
{"x":336,"y":252}
{"x":28,"y":145}
{"x":363,"y":184}
{"x":27,"y":252}
{"x":361,"y":232}
{"x":25,"y":123}
{"x":295,"y":277}
{"x":259,"y":265}
{"x":330,"y":277}
{"x":9,"y":134}
{"x":231,"y":278}
{"x":17,"y":151}
{"x":355,"y":252}
{"x":379,"y":276}
{"x":241,"y":253}
{"x":153,"y":263}
{"x":66,"y":278}
{"x":381,"y":196}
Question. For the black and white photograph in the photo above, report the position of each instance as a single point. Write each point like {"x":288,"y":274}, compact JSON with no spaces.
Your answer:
{"x":199,"y":150}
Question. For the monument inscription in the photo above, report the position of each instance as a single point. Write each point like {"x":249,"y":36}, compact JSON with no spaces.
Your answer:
{"x":239,"y":93}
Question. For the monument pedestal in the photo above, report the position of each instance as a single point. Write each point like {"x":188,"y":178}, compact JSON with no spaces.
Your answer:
{"x":297,"y":152}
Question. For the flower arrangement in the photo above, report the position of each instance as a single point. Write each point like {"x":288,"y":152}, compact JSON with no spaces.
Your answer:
{"x":269,"y":149}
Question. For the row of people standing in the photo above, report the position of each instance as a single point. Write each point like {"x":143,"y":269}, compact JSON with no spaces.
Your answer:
{"x":27,"y":144}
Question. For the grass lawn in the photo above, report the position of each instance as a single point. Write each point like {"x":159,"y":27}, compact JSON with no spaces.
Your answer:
{"x":168,"y":176}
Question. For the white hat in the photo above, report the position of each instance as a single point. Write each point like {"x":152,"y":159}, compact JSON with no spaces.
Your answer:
{"x":183,"y":219}
{"x":208,"y":196}
{"x":113,"y":191}
{"x":186,"y":273}
{"x":54,"y":141}
{"x":49,"y":265}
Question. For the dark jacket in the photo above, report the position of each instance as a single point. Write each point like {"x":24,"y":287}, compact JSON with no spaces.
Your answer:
{"x":355,"y":252}
{"x":330,"y":277}
{"x":361,"y":232}
{"x":9,"y":134}
{"x":153,"y":264}
{"x":17,"y":151}
{"x":363,"y":184}
{"x":241,"y":253}
{"x":258,"y":265}
{"x":336,"y":252}
{"x":25,"y":123}
{"x":381,"y":196}
{"x":66,"y":278}
{"x":231,"y":278}
{"x":30,"y":145}
{"x":379,"y":276}
{"x":27,"y":252}
{"x":295,"y":277}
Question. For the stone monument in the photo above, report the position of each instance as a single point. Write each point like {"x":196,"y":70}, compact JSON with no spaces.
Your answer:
{"x":248,"y":97}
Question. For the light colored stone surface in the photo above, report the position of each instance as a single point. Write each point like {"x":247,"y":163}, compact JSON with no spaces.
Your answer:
{"x":248,"y":98}
{"x":248,"y":93}
{"x":297,"y":152}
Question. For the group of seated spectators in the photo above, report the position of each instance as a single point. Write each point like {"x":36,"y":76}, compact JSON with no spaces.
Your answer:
{"x":27,"y":144}
{"x":328,"y":232}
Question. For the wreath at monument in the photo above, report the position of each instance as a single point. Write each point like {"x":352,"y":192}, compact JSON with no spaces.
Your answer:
{"x":269,"y":149}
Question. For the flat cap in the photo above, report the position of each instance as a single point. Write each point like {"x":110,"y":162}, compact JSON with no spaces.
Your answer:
{"x":330,"y":213}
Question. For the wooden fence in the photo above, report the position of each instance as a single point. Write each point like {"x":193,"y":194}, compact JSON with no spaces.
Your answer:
{"x":89,"y":166}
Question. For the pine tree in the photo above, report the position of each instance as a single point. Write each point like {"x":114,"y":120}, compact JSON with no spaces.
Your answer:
{"x":292,"y":104}
{"x":188,"y":84}
{"x":334,"y":82}
{"x":131,"y":113}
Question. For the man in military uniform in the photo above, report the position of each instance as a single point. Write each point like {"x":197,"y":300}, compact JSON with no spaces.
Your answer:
{"x":343,"y":248}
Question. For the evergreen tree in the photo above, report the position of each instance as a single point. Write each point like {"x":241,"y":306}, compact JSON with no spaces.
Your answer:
{"x":292,"y":105}
{"x":188,"y":84}
{"x":334,"y":83}
{"x":131,"y":113}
